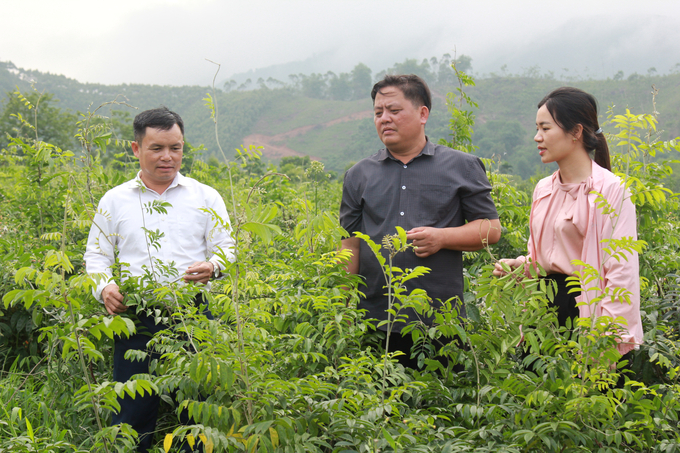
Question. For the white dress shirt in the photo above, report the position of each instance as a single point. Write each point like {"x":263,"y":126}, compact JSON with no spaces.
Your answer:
{"x":189,"y":233}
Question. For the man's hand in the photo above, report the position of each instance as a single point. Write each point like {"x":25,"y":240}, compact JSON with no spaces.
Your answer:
{"x":426,"y":240}
{"x":113,"y":300}
{"x":199,"y":272}
{"x":466,"y":238}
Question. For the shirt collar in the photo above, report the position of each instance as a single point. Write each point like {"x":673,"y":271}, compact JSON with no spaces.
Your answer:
{"x":179,"y":180}
{"x":428,"y":150}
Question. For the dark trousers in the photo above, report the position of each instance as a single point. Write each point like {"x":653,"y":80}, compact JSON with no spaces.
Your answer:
{"x":564,"y":300}
{"x":141,"y":412}
{"x":567,"y":309}
{"x":404,"y":343}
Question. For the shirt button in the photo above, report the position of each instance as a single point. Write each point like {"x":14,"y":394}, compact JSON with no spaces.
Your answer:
{"x":401,"y":213}
{"x":403,"y":187}
{"x":405,"y":166}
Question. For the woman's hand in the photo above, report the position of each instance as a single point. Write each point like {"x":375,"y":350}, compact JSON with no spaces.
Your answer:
{"x":512,"y":263}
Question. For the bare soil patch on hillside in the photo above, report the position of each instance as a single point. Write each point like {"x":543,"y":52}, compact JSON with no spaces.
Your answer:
{"x":273,"y":144}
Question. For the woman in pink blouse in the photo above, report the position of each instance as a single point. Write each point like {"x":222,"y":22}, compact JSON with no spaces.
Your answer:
{"x":565,"y":224}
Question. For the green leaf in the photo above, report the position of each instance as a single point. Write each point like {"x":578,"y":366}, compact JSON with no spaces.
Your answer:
{"x":389,"y":439}
{"x":264,"y":231}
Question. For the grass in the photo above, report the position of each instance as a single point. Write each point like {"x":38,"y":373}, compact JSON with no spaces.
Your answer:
{"x":339,"y":144}
{"x":290,"y":112}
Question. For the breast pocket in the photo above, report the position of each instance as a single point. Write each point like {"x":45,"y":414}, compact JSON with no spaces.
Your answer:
{"x":377,"y":202}
{"x":191,"y":226}
{"x":438,"y":204}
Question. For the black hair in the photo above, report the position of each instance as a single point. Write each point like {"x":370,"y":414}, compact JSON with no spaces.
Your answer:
{"x":159,"y":118}
{"x":570,"y":107}
{"x":414,"y":88}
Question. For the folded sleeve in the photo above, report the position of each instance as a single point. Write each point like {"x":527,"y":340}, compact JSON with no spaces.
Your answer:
{"x":350,"y":205}
{"x":475,"y":193}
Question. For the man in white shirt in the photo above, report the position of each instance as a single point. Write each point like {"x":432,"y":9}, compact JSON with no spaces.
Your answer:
{"x":183,"y":236}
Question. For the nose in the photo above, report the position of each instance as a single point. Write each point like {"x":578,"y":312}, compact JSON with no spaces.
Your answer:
{"x":538,"y":137}
{"x":165,"y":154}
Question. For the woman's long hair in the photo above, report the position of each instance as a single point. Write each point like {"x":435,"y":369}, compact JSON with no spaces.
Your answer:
{"x":569,"y":107}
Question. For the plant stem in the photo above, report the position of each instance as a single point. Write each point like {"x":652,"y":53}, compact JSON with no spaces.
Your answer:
{"x":390,"y":322}
{"x":235,"y":276}
{"x":72,"y":315}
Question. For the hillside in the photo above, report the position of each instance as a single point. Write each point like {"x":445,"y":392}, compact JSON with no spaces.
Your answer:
{"x":293,"y":120}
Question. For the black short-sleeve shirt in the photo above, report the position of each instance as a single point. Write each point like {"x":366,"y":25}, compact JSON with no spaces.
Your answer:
{"x":441,"y":188}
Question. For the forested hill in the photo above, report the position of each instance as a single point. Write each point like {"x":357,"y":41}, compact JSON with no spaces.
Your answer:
{"x":328,"y":116}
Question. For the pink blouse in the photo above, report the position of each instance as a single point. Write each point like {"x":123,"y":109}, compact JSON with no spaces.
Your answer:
{"x":565,"y":224}
{"x":558,"y":239}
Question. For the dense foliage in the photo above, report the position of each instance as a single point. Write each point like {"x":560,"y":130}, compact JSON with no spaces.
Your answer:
{"x":290,"y":365}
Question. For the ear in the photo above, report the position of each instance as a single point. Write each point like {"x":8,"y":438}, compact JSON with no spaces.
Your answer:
{"x":577,"y":132}
{"x":424,"y":114}
{"x":135,"y":149}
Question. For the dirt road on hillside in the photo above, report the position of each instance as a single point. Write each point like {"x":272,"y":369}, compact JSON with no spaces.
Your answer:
{"x":273,"y":147}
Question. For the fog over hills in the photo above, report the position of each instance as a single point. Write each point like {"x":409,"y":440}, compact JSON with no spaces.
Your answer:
{"x":594,"y":47}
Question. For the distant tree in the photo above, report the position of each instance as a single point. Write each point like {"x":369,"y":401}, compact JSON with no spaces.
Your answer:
{"x":499,"y":138}
{"x":339,"y":87}
{"x":46,"y":122}
{"x":229,"y":85}
{"x":313,"y":86}
{"x":505,"y":167}
{"x":425,"y":65}
{"x":411,"y":66}
{"x":295,"y":80}
{"x":618,"y":76}
{"x":532,"y":72}
{"x":295,"y":161}
{"x":295,"y":166}
{"x":362,"y":83}
{"x":651,"y":71}
{"x":274,"y":83}
{"x":445,"y":75}
{"x":464,"y":63}
{"x":245,"y":85}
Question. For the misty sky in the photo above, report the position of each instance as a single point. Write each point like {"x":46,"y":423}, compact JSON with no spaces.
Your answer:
{"x":167,"y":42}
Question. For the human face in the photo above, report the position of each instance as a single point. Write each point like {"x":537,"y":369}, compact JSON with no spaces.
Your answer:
{"x":160,"y":156}
{"x":554,"y":144}
{"x":399,"y":123}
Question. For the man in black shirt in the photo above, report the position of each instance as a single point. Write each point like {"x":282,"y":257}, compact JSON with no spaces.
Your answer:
{"x":440,"y":196}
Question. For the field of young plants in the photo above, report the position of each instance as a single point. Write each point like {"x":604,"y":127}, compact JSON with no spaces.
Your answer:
{"x":289,"y":364}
